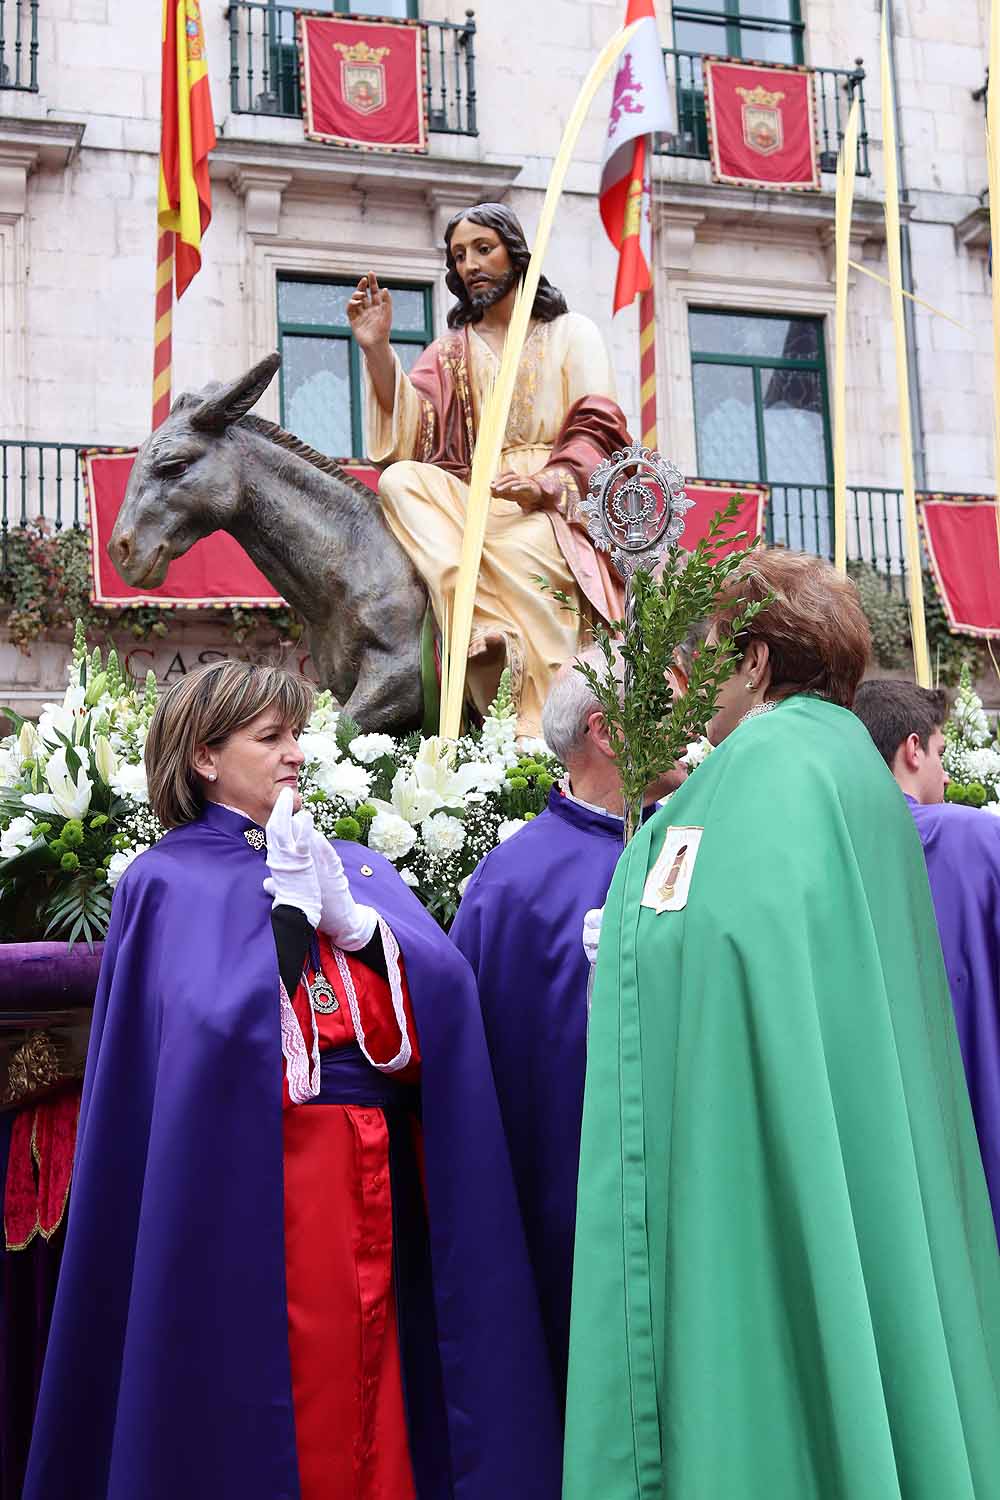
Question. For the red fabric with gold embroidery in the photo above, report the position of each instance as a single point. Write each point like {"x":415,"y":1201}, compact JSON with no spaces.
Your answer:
{"x":346,"y":1382}
{"x":39,"y":1168}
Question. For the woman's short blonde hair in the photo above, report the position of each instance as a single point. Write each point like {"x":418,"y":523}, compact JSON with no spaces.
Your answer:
{"x":205,"y":708}
{"x":817,"y":635}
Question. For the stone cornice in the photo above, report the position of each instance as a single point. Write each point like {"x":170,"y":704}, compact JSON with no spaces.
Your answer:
{"x":50,"y":143}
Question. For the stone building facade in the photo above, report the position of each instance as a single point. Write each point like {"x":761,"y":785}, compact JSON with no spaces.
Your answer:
{"x":743,"y":277}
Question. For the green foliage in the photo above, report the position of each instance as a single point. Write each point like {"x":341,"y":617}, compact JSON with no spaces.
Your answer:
{"x":948,"y":652}
{"x":650,"y":726}
{"x":887,"y":615}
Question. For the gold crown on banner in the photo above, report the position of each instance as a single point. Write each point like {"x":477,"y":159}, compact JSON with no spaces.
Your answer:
{"x":760,"y":95}
{"x":361,"y":52}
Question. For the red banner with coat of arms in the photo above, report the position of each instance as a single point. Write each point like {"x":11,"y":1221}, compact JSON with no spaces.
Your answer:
{"x":363,"y":83}
{"x":761,"y":125}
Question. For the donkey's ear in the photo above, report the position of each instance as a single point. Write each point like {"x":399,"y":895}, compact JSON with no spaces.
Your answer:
{"x":228,"y":403}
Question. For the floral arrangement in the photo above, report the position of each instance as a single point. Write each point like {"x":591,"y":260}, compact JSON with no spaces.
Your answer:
{"x":74,"y":810}
{"x":972,"y":751}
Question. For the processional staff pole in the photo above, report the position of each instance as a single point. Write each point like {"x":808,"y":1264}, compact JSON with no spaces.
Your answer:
{"x":635,"y":509}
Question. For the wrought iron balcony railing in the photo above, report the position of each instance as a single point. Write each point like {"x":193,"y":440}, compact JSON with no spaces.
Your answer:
{"x":835,"y":89}
{"x":19,"y":45}
{"x":264,"y":66}
{"x":44,"y":481}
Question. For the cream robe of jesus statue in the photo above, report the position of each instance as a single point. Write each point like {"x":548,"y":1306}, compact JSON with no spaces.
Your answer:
{"x":563,"y":421}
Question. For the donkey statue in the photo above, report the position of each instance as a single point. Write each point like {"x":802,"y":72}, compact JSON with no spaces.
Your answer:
{"x":316,"y":533}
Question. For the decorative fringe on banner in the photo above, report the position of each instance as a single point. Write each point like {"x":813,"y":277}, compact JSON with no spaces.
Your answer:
{"x":647,"y":367}
{"x":163,"y":317}
{"x":846,"y":166}
{"x":493,"y":422}
{"x":911,"y":531}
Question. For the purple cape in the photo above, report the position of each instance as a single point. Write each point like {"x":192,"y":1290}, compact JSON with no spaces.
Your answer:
{"x":168,"y":1371}
{"x":520,"y":925}
{"x":962,"y":850}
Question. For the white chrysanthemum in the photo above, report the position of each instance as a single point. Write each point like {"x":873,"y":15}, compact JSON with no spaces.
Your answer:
{"x":492,"y":775}
{"x":407,"y":876}
{"x":533,"y":746}
{"x":319,"y":748}
{"x":346,"y":780}
{"x":371,"y":747}
{"x":121,"y":861}
{"x":392,"y":836}
{"x":442,"y":834}
{"x":16,"y":837}
{"x":130,"y":781}
{"x":697,"y":752}
{"x":984,"y":764}
{"x":508,"y":827}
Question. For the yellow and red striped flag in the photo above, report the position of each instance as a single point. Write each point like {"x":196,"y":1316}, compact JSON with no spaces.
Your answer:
{"x":640,"y":105}
{"x":184,"y":207}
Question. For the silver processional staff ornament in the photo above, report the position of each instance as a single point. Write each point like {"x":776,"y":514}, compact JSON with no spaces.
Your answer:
{"x":635,"y":507}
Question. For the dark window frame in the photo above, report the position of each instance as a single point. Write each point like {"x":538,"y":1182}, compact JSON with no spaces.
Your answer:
{"x":733,"y":18}
{"x":422,"y":337}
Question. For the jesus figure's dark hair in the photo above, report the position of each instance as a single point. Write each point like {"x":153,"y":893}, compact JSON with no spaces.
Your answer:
{"x":549,"y":301}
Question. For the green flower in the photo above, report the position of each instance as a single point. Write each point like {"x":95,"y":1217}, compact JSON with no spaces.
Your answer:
{"x":365,"y":813}
{"x":528,"y":817}
{"x":43,"y":828}
{"x":545,"y":782}
{"x":99,"y":821}
{"x":57,"y":846}
{"x":518,"y":784}
{"x":348,"y":829}
{"x":72,"y":834}
{"x":975,"y":794}
{"x":120,"y":842}
{"x":70,"y":862}
{"x":955,"y":792}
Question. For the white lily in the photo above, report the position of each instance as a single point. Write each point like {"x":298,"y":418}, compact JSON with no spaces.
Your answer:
{"x":62,"y":718}
{"x":433,"y":770}
{"x":18,"y":834}
{"x":27,"y":740}
{"x":105,"y":760}
{"x":68,"y":797}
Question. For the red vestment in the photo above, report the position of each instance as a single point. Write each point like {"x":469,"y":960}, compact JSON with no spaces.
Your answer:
{"x":347,"y":1387}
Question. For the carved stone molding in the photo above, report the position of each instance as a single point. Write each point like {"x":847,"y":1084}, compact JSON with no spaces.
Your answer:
{"x":261,"y":190}
{"x":27,"y":145}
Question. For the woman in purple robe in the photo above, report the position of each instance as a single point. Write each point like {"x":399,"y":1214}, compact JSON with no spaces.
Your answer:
{"x":262,"y":1295}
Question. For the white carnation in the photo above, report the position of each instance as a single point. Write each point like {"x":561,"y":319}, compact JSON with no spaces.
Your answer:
{"x":371,"y":747}
{"x":696,"y":753}
{"x":346,"y":780}
{"x":130,"y":781}
{"x":121,"y":861}
{"x":443,"y":834}
{"x":319,"y":749}
{"x":16,"y":837}
{"x":392,"y":836}
{"x":984,"y":764}
{"x":509,"y":826}
{"x":407,"y":876}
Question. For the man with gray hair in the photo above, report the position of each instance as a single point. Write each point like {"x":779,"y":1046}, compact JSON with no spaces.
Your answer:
{"x":519,"y":925}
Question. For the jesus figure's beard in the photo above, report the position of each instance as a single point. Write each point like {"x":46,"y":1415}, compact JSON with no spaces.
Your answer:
{"x":488,"y":296}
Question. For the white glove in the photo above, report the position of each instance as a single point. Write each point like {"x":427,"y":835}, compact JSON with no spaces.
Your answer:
{"x":346,"y":923}
{"x":294,"y":880}
{"x":592,"y":933}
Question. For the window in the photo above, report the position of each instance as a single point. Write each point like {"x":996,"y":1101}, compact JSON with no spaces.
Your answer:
{"x":321,"y":363}
{"x":755,"y":30}
{"x":761,"y":412}
{"x":285,"y":97}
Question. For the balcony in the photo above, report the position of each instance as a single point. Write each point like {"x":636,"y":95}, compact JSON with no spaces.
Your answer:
{"x":19,"y":45}
{"x":834,"y":87}
{"x":45,"y":480}
{"x":264,"y":66}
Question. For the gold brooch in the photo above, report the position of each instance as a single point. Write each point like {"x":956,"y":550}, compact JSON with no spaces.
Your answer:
{"x":255,"y":837}
{"x":367,"y":870}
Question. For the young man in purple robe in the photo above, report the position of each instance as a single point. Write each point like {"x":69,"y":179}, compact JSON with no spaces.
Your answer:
{"x":519,"y":925}
{"x":962,"y":850}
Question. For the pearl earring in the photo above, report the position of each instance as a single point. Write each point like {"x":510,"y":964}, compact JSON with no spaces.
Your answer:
{"x":211,"y":775}
{"x":750,"y":684}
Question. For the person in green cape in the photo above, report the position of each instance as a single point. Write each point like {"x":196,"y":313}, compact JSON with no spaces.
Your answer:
{"x":786,"y":1280}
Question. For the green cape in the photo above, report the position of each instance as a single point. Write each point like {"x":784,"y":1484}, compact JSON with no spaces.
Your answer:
{"x":786,"y":1277}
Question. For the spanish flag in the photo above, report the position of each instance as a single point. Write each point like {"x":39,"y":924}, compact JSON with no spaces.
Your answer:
{"x":187,"y":136}
{"x":640,"y":105}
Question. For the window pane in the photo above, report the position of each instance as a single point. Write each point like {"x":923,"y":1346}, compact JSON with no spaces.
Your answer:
{"x":321,"y":302}
{"x":408,"y":310}
{"x":376,"y":7}
{"x":317,"y":393}
{"x":775,"y":338}
{"x":724,"y":422}
{"x":777,"y":10}
{"x":794,"y":426}
{"x":408,"y":354}
{"x":767,"y":46}
{"x":700,"y":36}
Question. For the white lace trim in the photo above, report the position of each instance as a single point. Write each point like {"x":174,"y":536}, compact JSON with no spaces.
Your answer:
{"x":301,"y":1071}
{"x":391,"y":950}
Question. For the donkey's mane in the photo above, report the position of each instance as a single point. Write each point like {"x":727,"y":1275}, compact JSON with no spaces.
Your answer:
{"x":293,"y":444}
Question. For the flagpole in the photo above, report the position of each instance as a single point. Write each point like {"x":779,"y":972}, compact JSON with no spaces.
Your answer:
{"x":647,"y":366}
{"x":163,"y":327}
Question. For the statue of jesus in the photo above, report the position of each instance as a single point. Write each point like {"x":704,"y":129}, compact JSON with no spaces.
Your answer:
{"x":564,"y":420}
